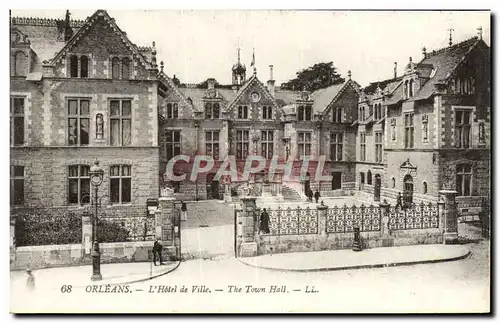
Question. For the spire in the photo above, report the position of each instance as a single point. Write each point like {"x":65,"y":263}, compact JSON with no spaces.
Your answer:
{"x":238,"y":49}
{"x":68,"y":32}
{"x":451,"y":38}
{"x":153,"y":56}
{"x":480,"y":32}
{"x":253,"y":62}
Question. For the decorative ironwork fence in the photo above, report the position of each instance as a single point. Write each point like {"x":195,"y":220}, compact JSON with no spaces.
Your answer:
{"x":415,"y":216}
{"x":293,"y":221}
{"x":344,"y":219}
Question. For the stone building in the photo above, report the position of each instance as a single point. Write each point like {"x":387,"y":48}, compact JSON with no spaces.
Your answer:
{"x":429,"y":128}
{"x":81,"y":90}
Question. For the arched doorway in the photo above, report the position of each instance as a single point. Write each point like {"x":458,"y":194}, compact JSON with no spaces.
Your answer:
{"x":408,"y":190}
{"x":361,"y":180}
{"x":376,"y":191}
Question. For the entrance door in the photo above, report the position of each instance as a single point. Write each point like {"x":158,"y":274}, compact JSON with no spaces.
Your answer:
{"x":408,"y":190}
{"x":212,"y":187}
{"x":307,"y":185}
{"x":378,"y":184}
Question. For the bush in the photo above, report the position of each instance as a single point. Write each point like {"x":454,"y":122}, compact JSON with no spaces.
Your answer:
{"x":36,"y":228}
{"x":111,"y":232}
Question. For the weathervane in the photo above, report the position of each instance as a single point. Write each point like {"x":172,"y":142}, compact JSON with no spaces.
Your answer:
{"x":451,"y":39}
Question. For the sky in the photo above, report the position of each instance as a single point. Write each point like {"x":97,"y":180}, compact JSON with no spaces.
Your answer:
{"x":196,"y":45}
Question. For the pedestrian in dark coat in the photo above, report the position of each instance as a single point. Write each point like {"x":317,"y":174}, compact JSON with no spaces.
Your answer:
{"x":399,"y":200}
{"x":317,"y":196}
{"x":157,"y":247}
{"x":264,"y":222}
{"x":184,"y":211}
{"x":311,"y":195}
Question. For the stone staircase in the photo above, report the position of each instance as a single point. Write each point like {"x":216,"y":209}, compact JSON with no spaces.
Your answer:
{"x":289,"y":194}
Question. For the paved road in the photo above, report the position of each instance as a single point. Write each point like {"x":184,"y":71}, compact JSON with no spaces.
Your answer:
{"x":459,"y":286}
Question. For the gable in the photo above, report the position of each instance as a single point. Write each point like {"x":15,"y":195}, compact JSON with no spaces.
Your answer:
{"x":169,"y":93}
{"x":347,"y":98}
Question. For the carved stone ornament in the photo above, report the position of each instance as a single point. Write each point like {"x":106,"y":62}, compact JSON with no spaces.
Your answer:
{"x":167,"y":192}
{"x":255,"y":96}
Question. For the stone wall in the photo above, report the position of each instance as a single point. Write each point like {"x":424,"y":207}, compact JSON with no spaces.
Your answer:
{"x":37,"y":257}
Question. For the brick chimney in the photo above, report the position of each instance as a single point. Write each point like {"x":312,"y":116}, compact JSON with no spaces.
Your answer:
{"x":271,"y":82}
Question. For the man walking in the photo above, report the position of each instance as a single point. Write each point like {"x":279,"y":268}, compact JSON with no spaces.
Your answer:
{"x":183,"y":211}
{"x":399,"y":200}
{"x":317,"y":196}
{"x":264,"y":222}
{"x":310,"y":195}
{"x":30,"y":282}
{"x":157,"y":247}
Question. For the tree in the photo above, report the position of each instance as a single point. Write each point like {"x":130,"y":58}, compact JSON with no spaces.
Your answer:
{"x":315,"y":77}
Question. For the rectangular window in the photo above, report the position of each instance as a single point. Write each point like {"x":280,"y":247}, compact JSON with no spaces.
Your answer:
{"x":462,"y":128}
{"x":16,"y":185}
{"x":242,"y":144}
{"x":304,"y":143}
{"x":464,"y":180}
{"x":78,"y":184}
{"x":336,"y":180}
{"x":267,"y":113}
{"x":362,"y":146}
{"x":212,"y":111}
{"x":304,"y":113}
{"x":16,"y":121}
{"x":120,"y":184}
{"x":172,"y":111}
{"x":121,"y":122}
{"x":267,"y":144}
{"x":78,"y":122}
{"x":378,"y":147}
{"x":409,"y":130}
{"x":242,"y":112}
{"x":172,"y":143}
{"x":336,"y":145}
{"x":337,"y":115}
{"x":212,"y":144}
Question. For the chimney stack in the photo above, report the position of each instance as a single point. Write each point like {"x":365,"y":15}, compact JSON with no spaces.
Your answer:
{"x":271,"y":82}
{"x":395,"y":69}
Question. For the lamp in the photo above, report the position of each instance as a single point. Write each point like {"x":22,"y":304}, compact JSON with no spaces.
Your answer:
{"x":96,"y":176}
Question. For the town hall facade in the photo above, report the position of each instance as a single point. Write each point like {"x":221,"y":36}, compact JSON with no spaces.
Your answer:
{"x":81,"y":90}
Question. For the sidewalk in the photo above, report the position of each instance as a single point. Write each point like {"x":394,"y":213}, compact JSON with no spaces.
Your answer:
{"x":330,"y":260}
{"x":79,"y":276}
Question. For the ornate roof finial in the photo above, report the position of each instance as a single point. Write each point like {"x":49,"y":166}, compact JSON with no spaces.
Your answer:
{"x":451,"y":38}
{"x":480,"y":32}
{"x":153,"y":56}
{"x":424,"y":51}
{"x":349,"y":74}
{"x":161,"y":66}
{"x":410,"y":60}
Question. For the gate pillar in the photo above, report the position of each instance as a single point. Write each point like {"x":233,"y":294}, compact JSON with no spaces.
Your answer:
{"x":246,"y":220}
{"x":448,"y":212}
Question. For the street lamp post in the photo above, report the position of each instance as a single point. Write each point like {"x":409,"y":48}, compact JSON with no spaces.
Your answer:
{"x":96,"y":176}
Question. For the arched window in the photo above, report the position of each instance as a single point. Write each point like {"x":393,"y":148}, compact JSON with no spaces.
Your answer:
{"x":176,"y":111}
{"x":425,"y":187}
{"x":369,"y":178}
{"x":73,"y":66}
{"x":21,"y":64}
{"x":410,"y":90}
{"x":125,"y":68}
{"x":84,"y":66}
{"x":169,"y":111}
{"x":393,"y":182}
{"x":216,"y":113}
{"x":339,"y":114}
{"x":115,"y":67}
{"x":300,"y":115}
{"x":361,"y":180}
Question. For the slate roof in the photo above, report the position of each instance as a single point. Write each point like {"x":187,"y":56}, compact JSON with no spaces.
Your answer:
{"x":444,"y":61}
{"x":323,"y":97}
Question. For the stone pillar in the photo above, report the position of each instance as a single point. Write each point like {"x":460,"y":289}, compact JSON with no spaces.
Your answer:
{"x":12,"y":239}
{"x":448,"y":212}
{"x":322,"y":212}
{"x":86,"y":233}
{"x":384,"y":219}
{"x":246,"y":221}
{"x":385,"y":232}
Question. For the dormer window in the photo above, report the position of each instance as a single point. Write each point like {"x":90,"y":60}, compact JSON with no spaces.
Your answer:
{"x":212,"y":110}
{"x":125,"y":68}
{"x":172,"y":111}
{"x":378,"y":112}
{"x":305,"y":113}
{"x":73,"y":66}
{"x":267,"y":112}
{"x":120,"y":68}
{"x":115,"y":68}
{"x":84,"y":66}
